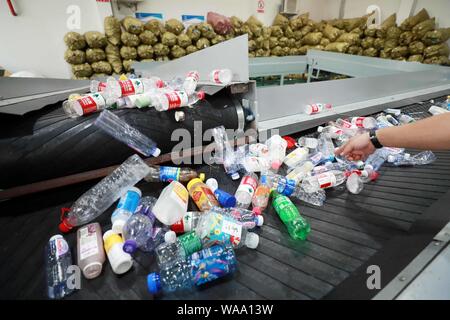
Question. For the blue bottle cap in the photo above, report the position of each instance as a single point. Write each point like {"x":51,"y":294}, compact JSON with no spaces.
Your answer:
{"x":225,"y":199}
{"x":153,"y":283}
{"x":130,"y":246}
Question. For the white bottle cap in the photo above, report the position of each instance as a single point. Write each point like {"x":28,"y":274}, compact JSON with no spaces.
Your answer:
{"x":259,"y":220}
{"x":170,"y":237}
{"x":212,"y":183}
{"x":156,"y":152}
{"x":119,"y":260}
{"x":117,"y":226}
{"x":319,"y":129}
{"x":252,"y":240}
{"x":391,"y":158}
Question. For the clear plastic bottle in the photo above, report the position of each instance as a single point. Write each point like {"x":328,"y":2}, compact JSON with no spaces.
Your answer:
{"x":169,"y":174}
{"x":436,"y":110}
{"x":97,"y":86}
{"x":331,"y":132}
{"x":146,"y":206}
{"x":326,"y":146}
{"x":405,"y":159}
{"x":221,"y":76}
{"x":382,"y":122}
{"x":405,"y":119}
{"x":225,"y":199}
{"x":297,"y":226}
{"x":100,"y":197}
{"x":347,"y":127}
{"x":191,"y":81}
{"x":296,"y":157}
{"x":246,"y":189}
{"x":188,"y":223}
{"x":185,"y":245}
{"x":115,"y":89}
{"x":324,"y":180}
{"x":122,"y":131}
{"x":277,"y":151}
{"x":354,"y":182}
{"x":376,"y":160}
{"x":177,"y":99}
{"x":310,"y":143}
{"x":316,"y":108}
{"x":119,"y":260}
{"x":215,"y":228}
{"x":300,"y":172}
{"x":392,"y":120}
{"x":224,"y":152}
{"x":58,"y":259}
{"x":136,"y":232}
{"x":261,"y":196}
{"x":126,"y":207}
{"x":90,"y":253}
{"x":259,"y":150}
{"x":157,"y":238}
{"x":172,"y":203}
{"x":364,"y":122}
{"x":83,"y":105}
{"x":202,"y":195}
{"x":255,"y":164}
{"x":249,"y":219}
{"x":202,"y":267}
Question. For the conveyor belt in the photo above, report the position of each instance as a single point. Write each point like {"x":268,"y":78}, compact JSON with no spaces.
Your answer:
{"x":346,"y":232}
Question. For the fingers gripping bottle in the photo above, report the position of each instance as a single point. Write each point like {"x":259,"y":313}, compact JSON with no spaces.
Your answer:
{"x":246,"y":189}
{"x":297,"y":226}
{"x":277,"y":151}
{"x":202,"y":195}
{"x":127,"y":205}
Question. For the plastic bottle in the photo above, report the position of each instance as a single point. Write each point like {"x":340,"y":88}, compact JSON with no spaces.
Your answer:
{"x":224,"y":153}
{"x":157,"y":238}
{"x":297,"y":226}
{"x":246,"y":189}
{"x":255,"y":164}
{"x":329,"y":166}
{"x":119,"y":260}
{"x":97,"y":86}
{"x":221,"y":76}
{"x":316,"y":108}
{"x":330,"y":131}
{"x":202,"y":267}
{"x":249,"y":219}
{"x":90,"y":252}
{"x":310,"y":143}
{"x":375,"y":161}
{"x":190,"y":82}
{"x":259,"y":150}
{"x":184,"y":246}
{"x":364,"y":122}
{"x":347,"y":127}
{"x":435,"y":110}
{"x":122,"y":131}
{"x":100,"y":197}
{"x":422,"y":158}
{"x":169,"y":174}
{"x":172,"y":203}
{"x":136,"y":232}
{"x":176,"y":99}
{"x":300,"y":172}
{"x":392,"y":120}
{"x":214,"y":228}
{"x":326,"y":146}
{"x":261,"y":196}
{"x":395,"y":112}
{"x":277,"y":151}
{"x":296,"y":157}
{"x":202,"y":195}
{"x":225,"y":199}
{"x":115,"y":89}
{"x":188,"y":223}
{"x":383,"y":122}
{"x":354,"y":182}
{"x":127,"y":205}
{"x":324,"y":180}
{"x":58,"y":259}
{"x":83,"y":105}
{"x":145,"y":207}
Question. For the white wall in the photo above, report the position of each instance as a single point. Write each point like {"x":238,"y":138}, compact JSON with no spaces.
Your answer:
{"x":34,"y":40}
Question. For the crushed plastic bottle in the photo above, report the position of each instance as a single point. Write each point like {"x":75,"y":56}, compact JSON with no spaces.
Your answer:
{"x":122,"y":131}
{"x":296,"y":225}
{"x":100,"y":197}
{"x":316,"y":108}
{"x":246,"y":189}
{"x":422,"y":158}
{"x":169,"y":174}
{"x":136,"y":232}
{"x":221,"y":76}
{"x":176,"y":99}
{"x":224,"y":152}
{"x":277,"y":151}
{"x":58,"y":260}
{"x":200,"y":268}
{"x":324,"y":180}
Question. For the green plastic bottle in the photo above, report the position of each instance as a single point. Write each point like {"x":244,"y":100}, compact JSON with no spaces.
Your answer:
{"x":297,"y":226}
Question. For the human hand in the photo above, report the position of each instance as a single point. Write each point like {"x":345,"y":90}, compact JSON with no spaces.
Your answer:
{"x":357,"y":148}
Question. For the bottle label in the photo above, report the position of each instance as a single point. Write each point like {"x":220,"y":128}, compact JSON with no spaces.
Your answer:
{"x":88,"y":242}
{"x":111,"y":241}
{"x":91,"y":103}
{"x":58,"y":245}
{"x":315,"y":159}
{"x":181,"y":193}
{"x":101,"y":86}
{"x":205,"y":270}
{"x":203,"y":197}
{"x":315,"y":108}
{"x":215,"y":76}
{"x":224,"y":229}
{"x":185,"y":223}
{"x":248,"y":185}
{"x":346,"y":124}
{"x":286,"y":210}
{"x":326,"y":180}
{"x":169,"y":174}
{"x":190,"y":242}
{"x":176,"y":99}
{"x":129,"y":202}
{"x":193,"y":75}
{"x":131,"y":86}
{"x":358,"y":122}
{"x":208,"y":252}
{"x":297,"y":155}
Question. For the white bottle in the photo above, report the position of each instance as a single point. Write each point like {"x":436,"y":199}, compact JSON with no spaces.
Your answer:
{"x":176,"y":99}
{"x":190,"y":82}
{"x":90,"y":252}
{"x":435,"y":110}
{"x":301,"y":172}
{"x":246,"y":189}
{"x":277,"y":151}
{"x":364,"y":122}
{"x":310,"y":143}
{"x":171,"y":204}
{"x":127,"y":205}
{"x":259,"y":149}
{"x":295,"y":157}
{"x":221,"y":76}
{"x":330,"y":131}
{"x":119,"y":260}
{"x":316,"y":108}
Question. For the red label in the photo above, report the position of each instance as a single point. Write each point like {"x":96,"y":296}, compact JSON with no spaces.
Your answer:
{"x":216,"y":76}
{"x":346,"y":124}
{"x":314,"y":108}
{"x":193,"y":74}
{"x":101,"y":86}
{"x":359,"y":122}
{"x":87,"y":104}
{"x":250,"y":182}
{"x":127,"y":87}
{"x":174,"y":100}
{"x":196,"y":195}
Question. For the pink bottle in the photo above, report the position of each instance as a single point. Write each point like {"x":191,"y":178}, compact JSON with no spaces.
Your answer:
{"x":90,"y":252}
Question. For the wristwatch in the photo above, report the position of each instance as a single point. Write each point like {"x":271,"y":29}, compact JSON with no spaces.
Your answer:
{"x":373,"y":138}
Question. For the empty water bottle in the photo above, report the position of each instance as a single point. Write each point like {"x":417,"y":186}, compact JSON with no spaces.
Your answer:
{"x":190,"y":82}
{"x":277,"y":151}
{"x":324,"y":180}
{"x":58,"y":260}
{"x":176,"y":99}
{"x":100,"y":197}
{"x":364,"y":122}
{"x":185,"y":245}
{"x":221,"y":76}
{"x":310,"y":143}
{"x":405,"y":119}
{"x":246,"y":189}
{"x":330,"y":131}
{"x":297,"y":226}
{"x":354,"y":182}
{"x":122,"y":131}
{"x":202,"y":267}
{"x":249,"y":219}
{"x":169,"y":174}
{"x":436,"y":110}
{"x":405,"y":159}
{"x":326,"y":147}
{"x":83,"y":105}
{"x":136,"y":232}
{"x":115,"y":89}
{"x":316,"y":108}
{"x":127,"y":205}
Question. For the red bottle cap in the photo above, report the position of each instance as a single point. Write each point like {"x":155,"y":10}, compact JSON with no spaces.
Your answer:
{"x":201,"y":95}
{"x":290,"y":142}
{"x":65,"y":226}
{"x":178,"y":227}
{"x":257,"y":210}
{"x":374,"y":176}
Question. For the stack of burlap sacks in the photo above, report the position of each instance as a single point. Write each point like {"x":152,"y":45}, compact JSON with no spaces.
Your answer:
{"x":95,"y":54}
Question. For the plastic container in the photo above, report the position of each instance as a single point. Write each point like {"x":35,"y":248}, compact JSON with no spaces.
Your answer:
{"x":100,"y":197}
{"x":119,"y":260}
{"x":136,"y":232}
{"x":277,"y":151}
{"x":324,"y":180}
{"x":300,"y":172}
{"x":225,"y":199}
{"x":176,"y":99}
{"x":310,"y":143}
{"x":127,"y":205}
{"x":84,"y":105}
{"x":246,"y":189}
{"x":90,"y":252}
{"x":316,"y":108}
{"x":364,"y":122}
{"x":261,"y":196}
{"x":249,"y":219}
{"x":172,"y":203}
{"x":296,"y":157}
{"x":202,"y":195}
{"x":58,"y":259}
{"x":190,"y":82}
{"x":122,"y":131}
{"x":169,"y":174}
{"x":221,"y":76}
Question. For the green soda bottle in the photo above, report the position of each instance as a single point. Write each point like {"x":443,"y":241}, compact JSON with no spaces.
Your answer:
{"x":297,"y":226}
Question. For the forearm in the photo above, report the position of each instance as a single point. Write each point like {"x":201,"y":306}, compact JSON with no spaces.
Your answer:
{"x":428,"y":134}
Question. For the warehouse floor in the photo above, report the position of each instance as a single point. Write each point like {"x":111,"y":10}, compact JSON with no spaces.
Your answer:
{"x":347,"y":232}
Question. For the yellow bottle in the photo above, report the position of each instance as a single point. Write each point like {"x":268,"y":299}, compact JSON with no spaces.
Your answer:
{"x":202,"y":195}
